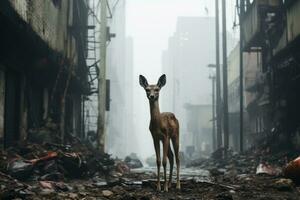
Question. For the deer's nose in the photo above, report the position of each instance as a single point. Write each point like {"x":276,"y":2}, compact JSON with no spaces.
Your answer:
{"x":151,"y":96}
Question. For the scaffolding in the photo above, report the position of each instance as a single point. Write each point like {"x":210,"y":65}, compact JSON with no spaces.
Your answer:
{"x":92,"y":60}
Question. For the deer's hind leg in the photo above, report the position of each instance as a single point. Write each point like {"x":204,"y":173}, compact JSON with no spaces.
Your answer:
{"x":171,"y":161}
{"x":166,"y":144}
{"x":175,"y":142}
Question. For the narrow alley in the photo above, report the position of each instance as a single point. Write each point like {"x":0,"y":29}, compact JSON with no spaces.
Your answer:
{"x":150,"y":99}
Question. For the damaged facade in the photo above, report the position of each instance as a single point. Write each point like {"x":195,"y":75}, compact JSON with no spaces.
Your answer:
{"x":252,"y":78}
{"x":43,"y":73}
{"x":272,"y":29}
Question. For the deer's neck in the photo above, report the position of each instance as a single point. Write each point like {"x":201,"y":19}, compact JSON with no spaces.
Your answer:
{"x":154,"y":111}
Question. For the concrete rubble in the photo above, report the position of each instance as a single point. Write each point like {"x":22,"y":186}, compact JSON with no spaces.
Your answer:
{"x":77,"y":171}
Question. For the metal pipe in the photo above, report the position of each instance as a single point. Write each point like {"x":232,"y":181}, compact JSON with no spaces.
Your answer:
{"x":241,"y":79}
{"x":213,"y":79}
{"x":218,"y":80}
{"x":225,"y":86}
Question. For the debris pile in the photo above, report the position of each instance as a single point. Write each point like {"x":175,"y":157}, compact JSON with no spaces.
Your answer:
{"x":11,"y":188}
{"x":243,"y":164}
{"x":252,"y":162}
{"x":54,"y":162}
{"x":133,"y":161}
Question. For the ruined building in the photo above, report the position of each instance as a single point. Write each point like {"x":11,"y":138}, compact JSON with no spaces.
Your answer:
{"x":43,"y":72}
{"x":272,"y":29}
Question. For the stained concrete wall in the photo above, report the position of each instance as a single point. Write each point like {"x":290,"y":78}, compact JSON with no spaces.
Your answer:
{"x":54,"y":22}
{"x":252,"y":73}
{"x":2,"y":99}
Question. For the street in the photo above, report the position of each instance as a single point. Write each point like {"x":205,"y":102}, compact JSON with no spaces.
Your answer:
{"x":141,"y":185}
{"x":75,"y":171}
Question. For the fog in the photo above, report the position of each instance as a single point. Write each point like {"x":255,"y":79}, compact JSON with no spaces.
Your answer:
{"x":150,"y":99}
{"x":150,"y":40}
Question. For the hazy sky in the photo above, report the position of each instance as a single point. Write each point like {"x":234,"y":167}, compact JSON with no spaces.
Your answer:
{"x":151,"y":23}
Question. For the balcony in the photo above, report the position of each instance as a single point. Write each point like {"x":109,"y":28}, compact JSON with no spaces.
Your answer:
{"x":252,"y":24}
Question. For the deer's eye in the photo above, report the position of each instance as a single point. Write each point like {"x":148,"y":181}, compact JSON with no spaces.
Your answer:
{"x":147,"y":90}
{"x":156,"y":90}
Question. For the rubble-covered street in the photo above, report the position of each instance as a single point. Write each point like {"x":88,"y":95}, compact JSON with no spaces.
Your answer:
{"x":76,"y":171}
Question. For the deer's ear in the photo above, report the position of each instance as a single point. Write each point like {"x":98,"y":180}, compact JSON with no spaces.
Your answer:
{"x":161,"y":81}
{"x":143,"y":81}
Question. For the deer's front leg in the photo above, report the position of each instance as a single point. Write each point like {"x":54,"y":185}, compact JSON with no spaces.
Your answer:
{"x":158,"y":162}
{"x":166,"y":143}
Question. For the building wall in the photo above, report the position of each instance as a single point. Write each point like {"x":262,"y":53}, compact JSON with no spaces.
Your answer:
{"x":273,"y":105}
{"x":199,"y":125}
{"x":168,"y":67}
{"x":2,"y":101}
{"x":234,"y":96}
{"x":284,"y":87}
{"x":252,"y":73}
{"x":53,"y":21}
{"x":233,"y":63}
{"x":48,"y":20}
{"x":41,"y":41}
{"x":120,"y":72}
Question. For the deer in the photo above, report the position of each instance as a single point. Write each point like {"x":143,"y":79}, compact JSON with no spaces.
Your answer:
{"x":164,"y":127}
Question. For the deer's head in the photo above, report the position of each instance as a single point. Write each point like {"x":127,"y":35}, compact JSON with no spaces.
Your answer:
{"x":152,"y":91}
